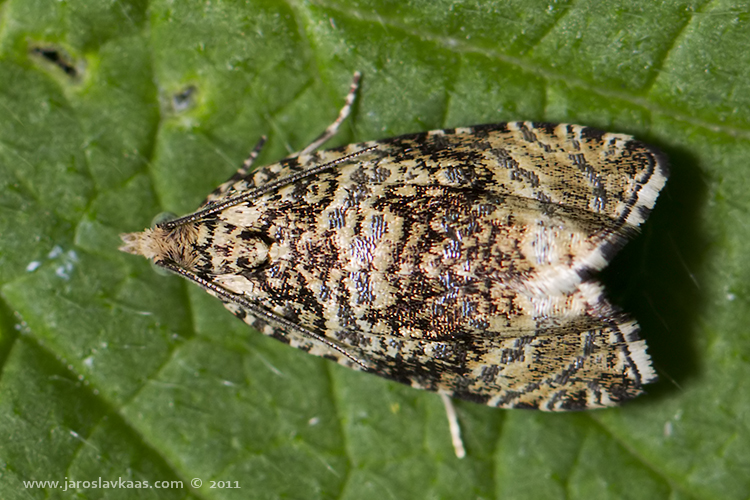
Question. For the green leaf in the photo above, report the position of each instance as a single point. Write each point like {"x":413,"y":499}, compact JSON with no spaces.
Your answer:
{"x":111,"y":112}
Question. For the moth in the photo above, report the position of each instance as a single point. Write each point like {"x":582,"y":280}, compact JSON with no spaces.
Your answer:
{"x":460,"y":261}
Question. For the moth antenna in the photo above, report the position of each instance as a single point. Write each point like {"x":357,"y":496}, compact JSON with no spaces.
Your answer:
{"x":333,"y":128}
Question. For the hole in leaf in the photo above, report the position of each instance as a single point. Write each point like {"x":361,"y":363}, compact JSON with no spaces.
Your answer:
{"x":58,"y":58}
{"x":184,"y":99}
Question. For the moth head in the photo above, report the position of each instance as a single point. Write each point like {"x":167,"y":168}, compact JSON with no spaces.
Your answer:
{"x":159,"y":244}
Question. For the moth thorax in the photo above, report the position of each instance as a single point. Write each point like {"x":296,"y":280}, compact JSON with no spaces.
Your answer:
{"x":253,"y":252}
{"x":226,"y":246}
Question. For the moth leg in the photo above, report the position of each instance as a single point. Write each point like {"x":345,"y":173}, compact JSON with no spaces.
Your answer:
{"x":248,"y":163}
{"x":224,"y":188}
{"x":455,"y":428}
{"x":334,"y":127}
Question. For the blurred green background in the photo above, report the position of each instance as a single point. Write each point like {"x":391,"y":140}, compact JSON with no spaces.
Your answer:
{"x":113,"y":111}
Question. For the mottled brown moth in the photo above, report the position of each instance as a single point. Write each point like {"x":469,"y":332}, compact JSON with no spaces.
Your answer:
{"x":460,"y":261}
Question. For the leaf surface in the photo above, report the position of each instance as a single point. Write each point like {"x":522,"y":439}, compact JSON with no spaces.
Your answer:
{"x":115,"y":111}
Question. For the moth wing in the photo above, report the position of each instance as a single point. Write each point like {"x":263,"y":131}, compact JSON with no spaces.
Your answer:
{"x":613,"y":177}
{"x":563,"y":368}
{"x":603,"y":184}
{"x":589,"y":363}
{"x":607,"y":176}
